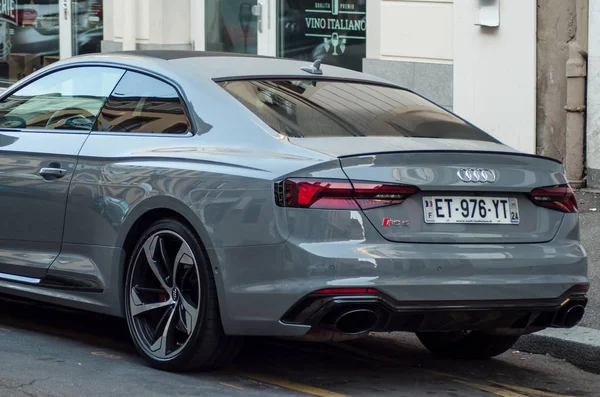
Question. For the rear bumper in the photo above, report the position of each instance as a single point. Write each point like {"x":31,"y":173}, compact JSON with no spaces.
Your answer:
{"x":260,"y":285}
{"x":518,"y":316}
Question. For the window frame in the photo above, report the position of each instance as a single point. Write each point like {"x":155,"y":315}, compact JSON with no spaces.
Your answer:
{"x":184,"y":102}
{"x":43,"y":73}
{"x":26,"y":82}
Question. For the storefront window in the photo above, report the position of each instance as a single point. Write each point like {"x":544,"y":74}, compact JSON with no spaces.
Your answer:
{"x":86,"y":20}
{"x":29,"y":37}
{"x":230,"y":26}
{"x":30,"y":34}
{"x":334,"y":31}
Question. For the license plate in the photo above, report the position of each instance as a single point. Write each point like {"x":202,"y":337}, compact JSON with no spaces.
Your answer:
{"x":492,"y":210}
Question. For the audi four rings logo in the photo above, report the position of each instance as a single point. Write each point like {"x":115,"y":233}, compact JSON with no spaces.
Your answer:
{"x":476,"y":175}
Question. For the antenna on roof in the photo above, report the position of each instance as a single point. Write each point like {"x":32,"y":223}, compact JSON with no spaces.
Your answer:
{"x":315,"y":68}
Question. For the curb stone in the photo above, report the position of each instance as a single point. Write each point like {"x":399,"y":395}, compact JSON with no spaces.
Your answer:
{"x":579,"y":346}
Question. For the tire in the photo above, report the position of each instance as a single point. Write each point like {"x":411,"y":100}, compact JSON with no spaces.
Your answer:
{"x":466,"y":345}
{"x":172,"y":311}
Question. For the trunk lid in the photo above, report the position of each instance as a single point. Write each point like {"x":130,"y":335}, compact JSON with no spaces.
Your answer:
{"x":436,"y":174}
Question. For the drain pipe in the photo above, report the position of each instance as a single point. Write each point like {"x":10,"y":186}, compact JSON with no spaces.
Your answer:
{"x":576,"y":99}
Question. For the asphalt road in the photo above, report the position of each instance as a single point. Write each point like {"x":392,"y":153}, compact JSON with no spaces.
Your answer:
{"x":50,"y":352}
{"x":589,"y":206}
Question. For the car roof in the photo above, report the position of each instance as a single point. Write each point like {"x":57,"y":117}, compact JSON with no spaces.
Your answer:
{"x":169,"y":55}
{"x":221,"y":66}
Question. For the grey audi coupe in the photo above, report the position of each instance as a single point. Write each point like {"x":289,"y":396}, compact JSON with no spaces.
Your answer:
{"x":205,"y":197}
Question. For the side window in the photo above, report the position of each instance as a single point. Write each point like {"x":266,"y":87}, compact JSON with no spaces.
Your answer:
{"x":69,"y":99}
{"x":143,"y":104}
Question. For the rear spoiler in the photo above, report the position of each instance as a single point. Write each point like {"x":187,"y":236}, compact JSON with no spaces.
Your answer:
{"x":515,"y":153}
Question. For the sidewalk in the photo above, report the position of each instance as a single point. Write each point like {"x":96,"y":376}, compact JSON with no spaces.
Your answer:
{"x":580,"y":345}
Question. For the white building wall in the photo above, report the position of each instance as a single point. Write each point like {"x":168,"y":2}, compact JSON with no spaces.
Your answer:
{"x":410,"y":30}
{"x":157,"y":23}
{"x":593,"y":96}
{"x":417,"y":30}
{"x":495,"y":71}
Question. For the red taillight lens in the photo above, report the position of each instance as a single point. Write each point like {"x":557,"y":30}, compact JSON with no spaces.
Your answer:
{"x":318,"y":194}
{"x":339,"y":194}
{"x":346,"y":291}
{"x":560,"y":198}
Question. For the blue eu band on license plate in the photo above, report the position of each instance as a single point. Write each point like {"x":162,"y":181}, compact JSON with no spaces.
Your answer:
{"x":489,"y":210}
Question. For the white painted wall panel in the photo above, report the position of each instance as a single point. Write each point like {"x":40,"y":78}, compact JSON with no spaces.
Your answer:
{"x":118,"y":18}
{"x":417,"y":30}
{"x":593,"y":92}
{"x":495,"y":71}
{"x":109,"y":22}
{"x":142,"y":19}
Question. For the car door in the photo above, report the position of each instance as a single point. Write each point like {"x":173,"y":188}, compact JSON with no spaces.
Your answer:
{"x":143,"y":116}
{"x":43,"y":126}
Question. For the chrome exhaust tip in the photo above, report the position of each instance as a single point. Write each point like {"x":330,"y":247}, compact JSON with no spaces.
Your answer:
{"x":573,"y":316}
{"x":356,"y":322}
{"x":569,"y":315}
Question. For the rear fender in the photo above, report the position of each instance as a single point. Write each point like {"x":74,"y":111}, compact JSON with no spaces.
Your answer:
{"x":183,"y":210}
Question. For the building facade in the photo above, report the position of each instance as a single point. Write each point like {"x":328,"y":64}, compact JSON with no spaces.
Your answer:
{"x":517,"y":69}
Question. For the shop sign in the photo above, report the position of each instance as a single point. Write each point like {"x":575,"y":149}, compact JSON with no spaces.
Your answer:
{"x":339,"y":23}
{"x":8,"y":11}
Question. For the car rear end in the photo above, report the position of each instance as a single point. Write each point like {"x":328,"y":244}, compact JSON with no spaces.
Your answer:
{"x":427,"y":225}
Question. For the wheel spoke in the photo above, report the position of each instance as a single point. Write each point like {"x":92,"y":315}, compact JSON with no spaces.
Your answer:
{"x":151,"y":290}
{"x":184,"y":257}
{"x":159,"y":347}
{"x":138,"y":307}
{"x":188,"y":315}
{"x":164,"y":255}
{"x":149,"y":249}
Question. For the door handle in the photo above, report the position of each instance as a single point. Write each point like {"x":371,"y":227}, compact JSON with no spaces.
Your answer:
{"x":52,"y":173}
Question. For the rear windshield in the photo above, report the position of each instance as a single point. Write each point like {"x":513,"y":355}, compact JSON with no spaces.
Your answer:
{"x":313,"y":109}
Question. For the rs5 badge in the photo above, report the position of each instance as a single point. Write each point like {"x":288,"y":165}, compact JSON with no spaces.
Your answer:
{"x":387,"y":222}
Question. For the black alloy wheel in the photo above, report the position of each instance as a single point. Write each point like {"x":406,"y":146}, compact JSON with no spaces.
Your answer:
{"x":171,"y":302}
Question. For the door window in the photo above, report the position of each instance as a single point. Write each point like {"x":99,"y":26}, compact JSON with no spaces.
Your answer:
{"x":143,"y":104}
{"x":69,"y":99}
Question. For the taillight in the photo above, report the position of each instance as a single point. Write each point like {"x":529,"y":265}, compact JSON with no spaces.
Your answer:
{"x":560,"y":198}
{"x":339,"y":194}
